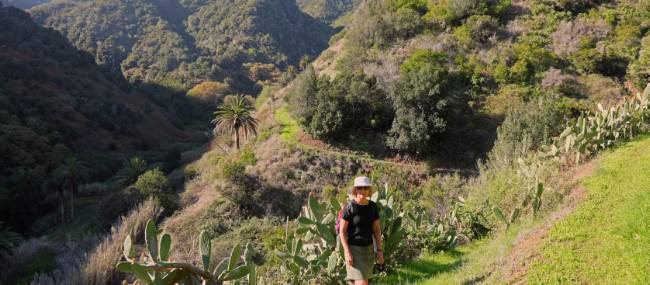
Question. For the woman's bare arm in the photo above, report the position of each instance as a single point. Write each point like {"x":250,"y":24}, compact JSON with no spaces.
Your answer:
{"x":343,"y":234}
{"x":376,"y":230}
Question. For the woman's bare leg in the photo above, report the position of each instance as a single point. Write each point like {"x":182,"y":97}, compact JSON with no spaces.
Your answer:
{"x":361,"y":282}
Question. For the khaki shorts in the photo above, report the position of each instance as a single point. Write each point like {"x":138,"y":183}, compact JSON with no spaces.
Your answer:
{"x":363,"y":260}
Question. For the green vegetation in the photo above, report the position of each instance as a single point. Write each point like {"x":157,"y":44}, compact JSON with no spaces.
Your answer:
{"x":334,"y":110}
{"x":316,"y":231}
{"x":160,"y":270}
{"x":290,"y":127}
{"x":179,"y":44}
{"x":327,"y":10}
{"x":498,"y":54}
{"x":604,"y":240}
{"x":443,"y":265}
{"x":234,"y":115}
{"x":131,"y":170}
{"x":8,"y":239}
{"x":65,"y":122}
{"x":409,"y":81}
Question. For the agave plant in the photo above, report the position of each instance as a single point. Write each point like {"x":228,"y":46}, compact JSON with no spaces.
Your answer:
{"x":156,"y":268}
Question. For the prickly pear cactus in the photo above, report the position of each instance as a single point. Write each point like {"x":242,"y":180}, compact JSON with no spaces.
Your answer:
{"x":156,"y":268}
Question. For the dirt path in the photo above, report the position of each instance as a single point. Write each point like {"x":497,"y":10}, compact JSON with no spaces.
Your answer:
{"x":526,"y":249}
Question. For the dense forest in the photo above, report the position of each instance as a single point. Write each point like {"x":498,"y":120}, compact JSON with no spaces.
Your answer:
{"x":182,"y":43}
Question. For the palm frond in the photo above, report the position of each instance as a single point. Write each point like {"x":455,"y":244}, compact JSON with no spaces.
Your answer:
{"x":235,"y":114}
{"x":8,"y":238}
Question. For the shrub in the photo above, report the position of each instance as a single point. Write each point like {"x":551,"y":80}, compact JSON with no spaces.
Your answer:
{"x":351,"y":101}
{"x":532,"y":57}
{"x":405,"y":23}
{"x":152,"y":183}
{"x":247,"y":157}
{"x":586,"y":60}
{"x":452,"y":11}
{"x":482,"y":27}
{"x":536,"y":121}
{"x":209,"y":92}
{"x":417,"y":5}
{"x":234,"y":172}
{"x":577,"y":6}
{"x":639,"y":70}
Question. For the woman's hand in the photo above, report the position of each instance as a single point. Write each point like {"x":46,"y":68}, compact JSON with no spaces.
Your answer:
{"x":348,"y":258}
{"x":380,"y":257}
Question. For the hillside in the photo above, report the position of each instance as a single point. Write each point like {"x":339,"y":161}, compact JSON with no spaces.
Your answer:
{"x":183,"y":43}
{"x":327,"y":10}
{"x":23,"y":4}
{"x":596,"y":237}
{"x":410,"y":83}
{"x":56,"y":102}
{"x":465,"y":68}
{"x":474,"y":119}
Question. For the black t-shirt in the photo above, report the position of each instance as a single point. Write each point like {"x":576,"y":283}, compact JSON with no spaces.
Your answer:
{"x":360,"y":219}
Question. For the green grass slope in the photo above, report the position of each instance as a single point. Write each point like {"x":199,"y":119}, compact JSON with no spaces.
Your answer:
{"x":605,"y":241}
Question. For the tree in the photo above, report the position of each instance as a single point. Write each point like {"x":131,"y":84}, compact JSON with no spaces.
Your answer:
{"x":234,"y":115}
{"x":72,"y":178}
{"x":302,"y":100}
{"x":8,"y":239}
{"x":131,"y":170}
{"x":420,"y":97}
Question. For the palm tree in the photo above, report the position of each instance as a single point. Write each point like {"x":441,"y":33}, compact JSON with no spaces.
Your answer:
{"x":235,"y":115}
{"x":72,"y":178}
{"x":8,"y":239}
{"x":131,"y":170}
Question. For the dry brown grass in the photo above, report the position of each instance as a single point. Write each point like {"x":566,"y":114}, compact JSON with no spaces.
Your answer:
{"x":91,"y":260}
{"x":100,"y":268}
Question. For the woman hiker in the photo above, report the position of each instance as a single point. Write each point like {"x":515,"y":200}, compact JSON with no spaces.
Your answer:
{"x":360,"y":222}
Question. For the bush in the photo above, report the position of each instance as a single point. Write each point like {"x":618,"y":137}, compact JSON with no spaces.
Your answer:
{"x":536,"y":121}
{"x":452,"y":11}
{"x":532,"y":57}
{"x":482,"y":27}
{"x":152,"y":183}
{"x":586,"y":60}
{"x":405,"y":23}
{"x":234,"y":172}
{"x":639,"y":70}
{"x":332,"y":109}
{"x":577,"y":6}
{"x":417,"y":5}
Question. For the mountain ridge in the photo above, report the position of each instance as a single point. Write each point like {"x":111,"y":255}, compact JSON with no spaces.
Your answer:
{"x":197,"y":40}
